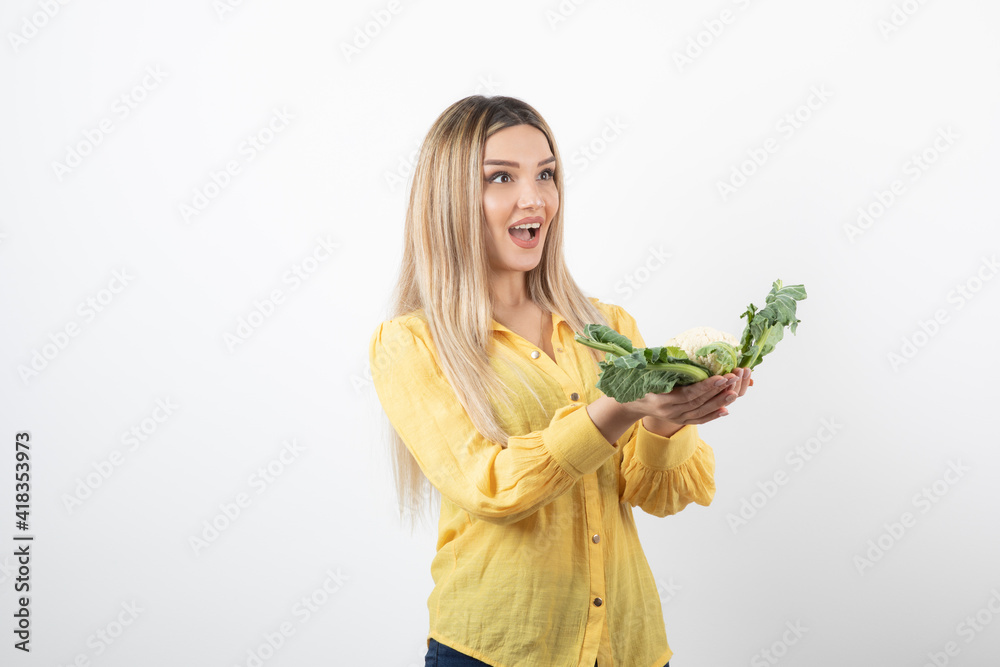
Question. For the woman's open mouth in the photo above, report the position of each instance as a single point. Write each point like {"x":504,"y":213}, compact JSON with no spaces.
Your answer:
{"x":525,"y":236}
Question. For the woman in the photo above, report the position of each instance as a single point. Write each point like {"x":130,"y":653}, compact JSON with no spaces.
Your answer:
{"x":538,"y":560}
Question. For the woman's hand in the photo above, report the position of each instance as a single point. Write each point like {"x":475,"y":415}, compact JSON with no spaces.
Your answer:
{"x":694,"y":403}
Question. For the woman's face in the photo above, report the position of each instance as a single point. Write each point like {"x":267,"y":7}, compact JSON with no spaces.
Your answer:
{"x":519,"y":187}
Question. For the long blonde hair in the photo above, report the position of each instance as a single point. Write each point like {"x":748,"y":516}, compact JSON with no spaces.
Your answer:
{"x":445,"y":271}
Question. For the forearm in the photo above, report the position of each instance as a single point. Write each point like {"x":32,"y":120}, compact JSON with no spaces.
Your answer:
{"x":660,"y":426}
{"x":611,"y":418}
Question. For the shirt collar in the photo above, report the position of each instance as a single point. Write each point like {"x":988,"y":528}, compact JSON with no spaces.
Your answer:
{"x":556,"y":319}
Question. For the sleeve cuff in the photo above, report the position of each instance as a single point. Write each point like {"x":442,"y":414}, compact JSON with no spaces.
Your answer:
{"x":661,"y":453}
{"x":575,"y":442}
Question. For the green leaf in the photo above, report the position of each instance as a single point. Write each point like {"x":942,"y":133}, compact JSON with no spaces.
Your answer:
{"x":628,"y":373}
{"x":626,"y":383}
{"x":747,"y":338}
{"x":604,"y":338}
{"x":636,"y":359}
{"x":764,"y":329}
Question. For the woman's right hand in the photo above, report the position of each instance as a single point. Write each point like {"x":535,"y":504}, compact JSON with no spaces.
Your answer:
{"x":696,"y":403}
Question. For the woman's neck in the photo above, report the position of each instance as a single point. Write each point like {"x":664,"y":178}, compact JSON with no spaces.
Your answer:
{"x":510,"y":291}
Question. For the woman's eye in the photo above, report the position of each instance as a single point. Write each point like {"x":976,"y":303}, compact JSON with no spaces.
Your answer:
{"x":504,"y":174}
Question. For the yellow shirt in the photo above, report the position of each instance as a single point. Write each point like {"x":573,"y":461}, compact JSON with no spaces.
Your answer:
{"x":538,"y":561}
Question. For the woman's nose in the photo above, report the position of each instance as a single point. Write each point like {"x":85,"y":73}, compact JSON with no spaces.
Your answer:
{"x":530,"y":196}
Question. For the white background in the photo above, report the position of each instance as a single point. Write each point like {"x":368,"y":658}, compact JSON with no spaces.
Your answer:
{"x":647,"y":138}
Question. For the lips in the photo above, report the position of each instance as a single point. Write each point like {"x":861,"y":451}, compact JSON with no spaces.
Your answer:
{"x":525,"y":236}
{"x":526,"y":239}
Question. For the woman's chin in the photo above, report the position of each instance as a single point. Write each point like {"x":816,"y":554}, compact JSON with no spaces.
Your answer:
{"x":527,"y":260}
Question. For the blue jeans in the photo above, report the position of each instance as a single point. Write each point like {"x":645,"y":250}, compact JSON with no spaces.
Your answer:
{"x":439,"y":655}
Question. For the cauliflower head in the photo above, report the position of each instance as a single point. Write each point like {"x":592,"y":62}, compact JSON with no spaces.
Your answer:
{"x":716,"y":350}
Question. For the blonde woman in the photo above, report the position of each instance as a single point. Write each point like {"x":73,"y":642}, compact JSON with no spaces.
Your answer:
{"x":493,"y":403}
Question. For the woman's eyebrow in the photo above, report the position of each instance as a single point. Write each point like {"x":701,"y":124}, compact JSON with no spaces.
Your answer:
{"x":516,"y":165}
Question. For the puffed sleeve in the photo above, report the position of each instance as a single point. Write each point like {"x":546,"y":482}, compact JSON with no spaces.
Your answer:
{"x":663,"y":475}
{"x":490,"y":482}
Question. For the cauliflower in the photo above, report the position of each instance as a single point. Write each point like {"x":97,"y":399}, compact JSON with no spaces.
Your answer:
{"x":716,"y":350}
{"x":628,"y":373}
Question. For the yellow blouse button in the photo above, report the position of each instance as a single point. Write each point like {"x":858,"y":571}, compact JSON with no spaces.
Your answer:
{"x":534,"y":354}
{"x":598,"y":602}
{"x":574,"y":396}
{"x":596,"y":538}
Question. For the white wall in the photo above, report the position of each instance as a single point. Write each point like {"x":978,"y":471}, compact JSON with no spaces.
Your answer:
{"x":341,"y":132}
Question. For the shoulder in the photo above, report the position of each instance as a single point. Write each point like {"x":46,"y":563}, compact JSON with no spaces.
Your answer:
{"x":616,"y":315}
{"x":402,"y":336}
{"x":412,"y":325}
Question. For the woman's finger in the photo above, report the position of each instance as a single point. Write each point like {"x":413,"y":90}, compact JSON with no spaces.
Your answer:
{"x":714,"y":391}
{"x":697,"y":418}
{"x":710,"y":409}
{"x":699,"y":402}
{"x":744,"y":383}
{"x":706,"y":388}
{"x":703,"y":420}
{"x":689,"y":397}
{"x":738,"y":373}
